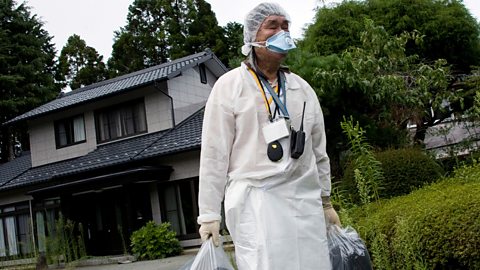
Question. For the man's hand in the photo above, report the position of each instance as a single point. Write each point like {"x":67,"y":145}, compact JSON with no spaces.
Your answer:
{"x":331,"y":216}
{"x":208,"y":229}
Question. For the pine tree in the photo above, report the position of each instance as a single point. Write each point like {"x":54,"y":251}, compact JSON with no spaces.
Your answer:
{"x":233,"y":33}
{"x":161,"y":30}
{"x":79,"y":65}
{"x":143,"y":41}
{"x":26,"y":68}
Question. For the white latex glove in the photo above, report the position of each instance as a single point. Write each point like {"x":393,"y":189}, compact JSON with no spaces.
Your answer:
{"x":208,"y":229}
{"x":331,"y":216}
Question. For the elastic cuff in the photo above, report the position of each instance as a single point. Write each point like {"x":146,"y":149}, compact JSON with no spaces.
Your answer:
{"x":327,"y":204}
{"x":208,"y":218}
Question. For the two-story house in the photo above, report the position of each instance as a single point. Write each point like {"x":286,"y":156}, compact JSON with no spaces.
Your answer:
{"x":111,"y":156}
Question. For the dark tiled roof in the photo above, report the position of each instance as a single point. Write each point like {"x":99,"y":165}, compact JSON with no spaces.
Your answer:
{"x":14,"y":168}
{"x":117,"y":85}
{"x":185,"y":136}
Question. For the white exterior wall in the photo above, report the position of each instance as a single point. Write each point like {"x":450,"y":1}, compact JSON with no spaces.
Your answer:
{"x":189,"y":94}
{"x":158,"y":109}
{"x":42,"y":140}
{"x":185,"y":165}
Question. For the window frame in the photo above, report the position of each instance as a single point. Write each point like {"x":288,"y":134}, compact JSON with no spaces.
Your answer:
{"x":203,"y":73}
{"x":70,"y":121}
{"x":14,"y":212}
{"x":117,"y":109}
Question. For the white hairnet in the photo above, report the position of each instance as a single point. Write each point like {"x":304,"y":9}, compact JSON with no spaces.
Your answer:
{"x":254,"y":20}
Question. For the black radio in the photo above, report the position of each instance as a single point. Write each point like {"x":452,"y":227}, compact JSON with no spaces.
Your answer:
{"x":297,"y":139}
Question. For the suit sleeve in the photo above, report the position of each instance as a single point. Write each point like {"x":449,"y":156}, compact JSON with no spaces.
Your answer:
{"x":217,"y":139}
{"x":319,"y":143}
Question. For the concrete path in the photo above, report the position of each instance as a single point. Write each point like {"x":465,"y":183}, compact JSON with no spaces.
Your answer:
{"x":172,"y":263}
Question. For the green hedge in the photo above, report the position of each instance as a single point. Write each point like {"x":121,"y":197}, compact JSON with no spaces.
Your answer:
{"x":154,"y":241}
{"x":436,"y":227}
{"x":404,"y":170}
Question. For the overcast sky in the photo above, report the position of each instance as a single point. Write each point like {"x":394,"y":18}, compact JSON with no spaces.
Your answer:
{"x":96,"y":20}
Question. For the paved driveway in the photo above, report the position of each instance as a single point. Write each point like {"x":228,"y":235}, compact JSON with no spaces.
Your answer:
{"x":172,"y":263}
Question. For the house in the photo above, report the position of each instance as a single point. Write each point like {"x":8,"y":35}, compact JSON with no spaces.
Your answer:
{"x":111,"y":156}
{"x":453,"y":137}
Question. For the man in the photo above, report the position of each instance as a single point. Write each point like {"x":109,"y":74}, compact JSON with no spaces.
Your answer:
{"x":263,"y":150}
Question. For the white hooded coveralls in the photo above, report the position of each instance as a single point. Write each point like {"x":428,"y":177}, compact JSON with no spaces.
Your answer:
{"x":273,"y":210}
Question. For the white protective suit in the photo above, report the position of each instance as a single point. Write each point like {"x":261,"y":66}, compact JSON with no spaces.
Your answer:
{"x":273,"y":209}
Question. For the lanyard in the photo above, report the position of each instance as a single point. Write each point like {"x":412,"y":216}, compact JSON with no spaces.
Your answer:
{"x":280,"y":105}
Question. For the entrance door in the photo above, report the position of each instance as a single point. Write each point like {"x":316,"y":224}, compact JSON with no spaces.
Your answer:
{"x":102,"y":215}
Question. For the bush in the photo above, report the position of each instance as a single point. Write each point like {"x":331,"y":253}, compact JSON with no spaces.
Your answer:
{"x":154,"y":241}
{"x":404,"y":170}
{"x":450,"y":163}
{"x":407,"y":169}
{"x":436,"y":227}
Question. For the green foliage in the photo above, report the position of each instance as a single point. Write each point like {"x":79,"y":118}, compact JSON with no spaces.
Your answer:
{"x":436,"y":227}
{"x":388,"y":71}
{"x":203,"y":31}
{"x":451,"y":32}
{"x":335,"y":28}
{"x":79,"y":65}
{"x":380,"y":86}
{"x":26,"y":67}
{"x":66,"y":242}
{"x":154,"y":241}
{"x":161,"y":30}
{"x":368,"y":174}
{"x":404,"y":170}
{"x":233,"y":33}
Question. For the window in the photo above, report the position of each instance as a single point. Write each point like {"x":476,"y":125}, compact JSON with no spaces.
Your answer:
{"x":203,"y":73}
{"x":3,"y":246}
{"x":121,"y":121}
{"x":15,"y":231}
{"x":45,"y":213}
{"x":70,"y":131}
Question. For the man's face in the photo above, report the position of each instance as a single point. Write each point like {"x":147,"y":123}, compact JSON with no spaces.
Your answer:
{"x":270,"y":26}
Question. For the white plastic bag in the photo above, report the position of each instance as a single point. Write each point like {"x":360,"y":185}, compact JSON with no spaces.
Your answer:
{"x":209,"y":257}
{"x":347,"y":250}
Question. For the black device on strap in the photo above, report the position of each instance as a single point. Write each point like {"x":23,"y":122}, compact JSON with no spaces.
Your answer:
{"x":297,"y":139}
{"x":275,"y":151}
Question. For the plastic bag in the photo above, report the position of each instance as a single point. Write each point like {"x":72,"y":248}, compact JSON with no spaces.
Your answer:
{"x":347,"y":250}
{"x":209,"y":257}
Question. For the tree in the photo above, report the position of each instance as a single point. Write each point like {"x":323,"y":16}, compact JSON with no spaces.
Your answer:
{"x":233,"y":33}
{"x":143,"y":41}
{"x":334,"y":29}
{"x":79,"y":65}
{"x":26,"y":69}
{"x":380,"y":86}
{"x":161,"y":30}
{"x":450,"y":31}
{"x":203,"y":30}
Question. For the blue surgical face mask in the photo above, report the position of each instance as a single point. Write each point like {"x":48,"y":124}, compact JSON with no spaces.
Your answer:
{"x":281,"y":42}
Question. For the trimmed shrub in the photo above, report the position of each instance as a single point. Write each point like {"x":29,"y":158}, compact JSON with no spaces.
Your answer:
{"x":407,"y":169}
{"x":436,"y":227}
{"x":404,"y":170}
{"x":154,"y":241}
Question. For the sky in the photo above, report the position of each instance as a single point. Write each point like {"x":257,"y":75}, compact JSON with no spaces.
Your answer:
{"x":96,"y":20}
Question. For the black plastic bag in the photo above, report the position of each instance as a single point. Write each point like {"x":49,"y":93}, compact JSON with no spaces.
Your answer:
{"x":209,"y":257}
{"x":347,"y":250}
